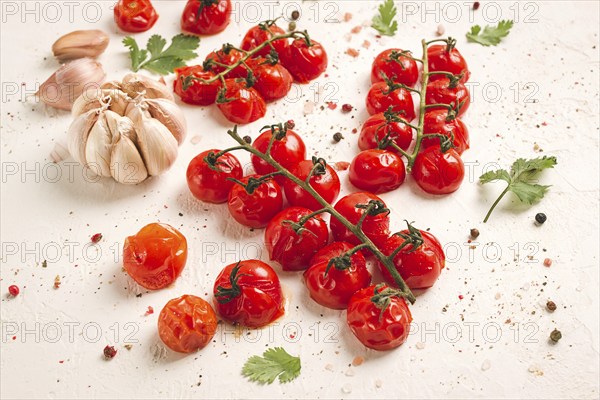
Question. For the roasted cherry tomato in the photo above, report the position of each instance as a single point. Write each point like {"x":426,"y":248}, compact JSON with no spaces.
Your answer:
{"x":378,"y":324}
{"x":206,"y":17}
{"x":379,"y":100}
{"x":376,"y":128}
{"x":198,"y":93}
{"x":294,"y":250}
{"x":376,"y":227}
{"x":305,"y":62}
{"x":438,"y":173}
{"x":155,"y":256}
{"x":377,"y":171}
{"x":419,"y":267}
{"x":273,"y":82}
{"x":257,"y":203}
{"x":440,"y":58}
{"x":135,"y":15}
{"x":259,"y":34}
{"x":242,"y":104}
{"x":333,"y":287}
{"x":287,"y":151}
{"x":211,"y":185}
{"x":248,"y":293}
{"x":437,"y":122}
{"x":226,"y":56}
{"x":441,"y":91}
{"x":325,"y":181}
{"x":187,"y":323}
{"x":395,"y":66}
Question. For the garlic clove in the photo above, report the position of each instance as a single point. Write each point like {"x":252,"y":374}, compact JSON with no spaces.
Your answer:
{"x":170,"y":115}
{"x":99,"y":145}
{"x":127,"y":165}
{"x":157,"y":145}
{"x":78,"y":133}
{"x":79,"y":44}
{"x":112,"y":99}
{"x":135,"y":85}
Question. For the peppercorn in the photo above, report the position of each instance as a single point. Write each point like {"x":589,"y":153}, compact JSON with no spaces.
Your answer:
{"x":290,"y":124}
{"x":555,"y":335}
{"x":247,"y":139}
{"x":110,"y":352}
{"x":337,"y":137}
{"x":540,"y":218}
{"x":13,"y":290}
{"x":96,"y":237}
{"x":295,"y":15}
{"x":292,"y":26}
{"x":474,"y":233}
{"x":476,"y":5}
{"x":550,"y":305}
{"x":347,"y":108}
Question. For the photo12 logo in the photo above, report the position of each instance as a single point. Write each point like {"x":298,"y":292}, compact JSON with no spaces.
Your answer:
{"x":53,"y":11}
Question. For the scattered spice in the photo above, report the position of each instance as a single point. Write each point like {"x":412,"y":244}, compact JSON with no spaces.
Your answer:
{"x":57,"y":282}
{"x":44,"y":264}
{"x":290,"y":124}
{"x":555,"y":335}
{"x":366,"y":44}
{"x":358,"y":360}
{"x":331,"y":105}
{"x":341,"y":165}
{"x":547,"y":262}
{"x":96,"y":238}
{"x":352,"y":52}
{"x":110,"y":352}
{"x":474,"y":233}
{"x":292,"y":26}
{"x":150,"y":310}
{"x":13,"y":290}
{"x":356,"y":29}
{"x":337,"y":137}
{"x":247,"y":139}
{"x":551,"y":306}
{"x":460,"y":297}
{"x":128,"y":346}
{"x":440,"y":30}
{"x":347,"y":17}
{"x":476,"y":5}
{"x":540,"y":218}
{"x":295,"y":15}
{"x":347,"y":108}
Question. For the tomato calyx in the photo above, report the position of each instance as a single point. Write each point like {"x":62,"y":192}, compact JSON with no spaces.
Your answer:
{"x":204,"y":4}
{"x":278,"y":131}
{"x":343,"y":262}
{"x":253,"y":183}
{"x":383,"y":295}
{"x":298,"y":227}
{"x":265,"y":25}
{"x":319,"y":168}
{"x":372,"y":208}
{"x":395,"y":57}
{"x":446,"y":142}
{"x":225,"y":295}
{"x":413,"y":238}
{"x":392,"y":86}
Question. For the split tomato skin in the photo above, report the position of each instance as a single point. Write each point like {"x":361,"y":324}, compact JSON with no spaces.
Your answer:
{"x":246,"y":104}
{"x":440,"y":59}
{"x":273,"y":82}
{"x":206,"y":17}
{"x":377,"y":171}
{"x":258,"y":300}
{"x":375,"y":129}
{"x":135,"y":15}
{"x":187,"y":324}
{"x":334,"y":289}
{"x":375,"y":329}
{"x":327,"y":185}
{"x":441,"y":92}
{"x":438,"y":173}
{"x":304,"y":62}
{"x":209,"y":185}
{"x":291,"y":250}
{"x":289,"y":151}
{"x":155,"y":256}
{"x":257,"y":36}
{"x":403,"y":70}
{"x":436,"y":122}
{"x":199,"y":93}
{"x":257,"y":209}
{"x":378,"y":101}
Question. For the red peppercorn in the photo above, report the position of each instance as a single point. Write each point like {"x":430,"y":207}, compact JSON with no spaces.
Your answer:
{"x":13,"y":290}
{"x":110,"y":352}
{"x":347,"y":108}
{"x":476,"y":5}
{"x":290,"y":124}
{"x":96,"y":238}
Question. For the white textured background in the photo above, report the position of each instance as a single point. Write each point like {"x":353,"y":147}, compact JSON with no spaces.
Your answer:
{"x":492,"y":343}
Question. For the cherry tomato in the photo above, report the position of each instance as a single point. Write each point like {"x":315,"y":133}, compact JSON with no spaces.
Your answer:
{"x":244,"y":104}
{"x":440,"y":59}
{"x":187,"y":324}
{"x":288,"y":151}
{"x":378,"y":100}
{"x":375,"y":324}
{"x":377,"y":171}
{"x":376,"y":128}
{"x":255,"y":209}
{"x":376,"y":227}
{"x":209,"y":185}
{"x":304,"y":62}
{"x":396,"y":67}
{"x":326,"y":184}
{"x":334,"y":288}
{"x":436,"y":122}
{"x":248,"y":293}
{"x":438,"y":173}
{"x":206,"y":17}
{"x":226,"y":57}
{"x":258,"y":34}
{"x":155,"y":256}
{"x":294,"y":250}
{"x":273,"y":82}
{"x":135,"y":15}
{"x":198,"y":93}
{"x":440,"y":92}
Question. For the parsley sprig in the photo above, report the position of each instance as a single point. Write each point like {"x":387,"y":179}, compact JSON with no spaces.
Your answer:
{"x":275,"y":362}
{"x":384,"y":22}
{"x":491,"y":35}
{"x":156,"y":58}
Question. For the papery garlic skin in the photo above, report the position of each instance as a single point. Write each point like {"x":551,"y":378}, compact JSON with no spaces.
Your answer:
{"x":157,"y":145}
{"x":78,"y":133}
{"x":80,"y":44}
{"x":170,"y":115}
{"x":127,"y":165}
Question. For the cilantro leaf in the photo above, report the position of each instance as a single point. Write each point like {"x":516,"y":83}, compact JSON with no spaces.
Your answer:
{"x":491,"y":35}
{"x":156,"y":58}
{"x":521,"y":180}
{"x":274,"y":362}
{"x":384,"y":22}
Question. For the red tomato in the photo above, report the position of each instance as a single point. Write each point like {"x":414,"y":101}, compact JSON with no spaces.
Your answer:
{"x":396,"y":67}
{"x":198,"y":93}
{"x":187,"y":324}
{"x":440,"y":92}
{"x":255,"y":209}
{"x":209,"y":185}
{"x":378,"y":100}
{"x":436,"y":122}
{"x":294,"y":250}
{"x":304,"y":62}
{"x":376,"y":227}
{"x":245,"y":104}
{"x":206,"y":17}
{"x":377,"y":171}
{"x":135,"y":15}
{"x":326,"y":184}
{"x":248,"y":293}
{"x":229,"y":57}
{"x":273,"y":82}
{"x":288,"y":151}
{"x":438,"y":173}
{"x":440,"y":59}
{"x":334,"y":288}
{"x":377,"y":325}
{"x":259,"y":34}
{"x":419,"y":268}
{"x":376,"y":128}
{"x":155,"y":256}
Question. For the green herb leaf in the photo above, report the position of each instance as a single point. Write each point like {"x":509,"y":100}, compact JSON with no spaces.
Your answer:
{"x":274,"y":362}
{"x":521,"y":180}
{"x":384,"y":22}
{"x":491,"y":35}
{"x":156,"y":58}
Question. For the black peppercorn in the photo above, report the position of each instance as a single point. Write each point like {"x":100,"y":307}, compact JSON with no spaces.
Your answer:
{"x":247,"y":139}
{"x":540,"y":218}
{"x":295,"y":15}
{"x":337,"y":137}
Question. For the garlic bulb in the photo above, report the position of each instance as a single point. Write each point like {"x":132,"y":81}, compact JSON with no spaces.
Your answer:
{"x":79,"y":44}
{"x":118,"y":132}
